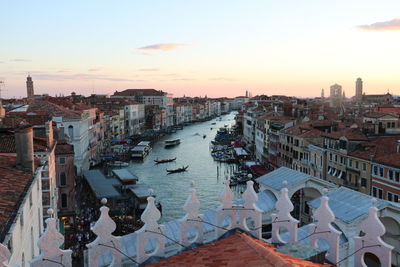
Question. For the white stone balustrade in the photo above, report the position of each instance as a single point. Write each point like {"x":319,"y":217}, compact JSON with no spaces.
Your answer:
{"x":105,"y":242}
{"x":154,"y":233}
{"x":225,"y":211}
{"x":283,"y":218}
{"x":323,"y":229}
{"x":4,"y":256}
{"x":251,"y":211}
{"x":49,"y":244}
{"x":371,"y":241}
{"x":151,"y":230}
{"x":192,"y":220}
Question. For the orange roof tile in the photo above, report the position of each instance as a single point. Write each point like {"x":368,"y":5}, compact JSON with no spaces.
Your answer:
{"x":13,"y":185}
{"x":237,"y":250}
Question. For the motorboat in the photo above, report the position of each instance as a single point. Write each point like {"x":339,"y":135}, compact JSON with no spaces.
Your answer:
{"x":171,"y":143}
{"x":178,"y":170}
{"x":204,"y":136}
{"x":140,"y":151}
{"x":164,"y":160}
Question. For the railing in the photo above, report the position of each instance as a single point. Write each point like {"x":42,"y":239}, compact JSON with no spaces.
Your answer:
{"x":152,"y":239}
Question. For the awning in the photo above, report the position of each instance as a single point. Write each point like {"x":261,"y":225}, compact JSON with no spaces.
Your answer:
{"x":240,"y":151}
{"x":258,"y":170}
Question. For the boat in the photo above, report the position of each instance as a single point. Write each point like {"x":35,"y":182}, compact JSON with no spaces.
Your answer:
{"x":140,"y":152}
{"x":178,"y":170}
{"x":163,"y":160}
{"x":204,"y":136}
{"x":171,"y":143}
{"x":118,"y":163}
{"x":213,"y":123}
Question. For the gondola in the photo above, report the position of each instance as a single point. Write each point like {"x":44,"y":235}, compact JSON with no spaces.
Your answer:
{"x":178,"y":170}
{"x":163,"y":160}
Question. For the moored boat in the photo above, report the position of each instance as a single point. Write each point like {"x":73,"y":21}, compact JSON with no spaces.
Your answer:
{"x":171,"y":143}
{"x":164,"y":160}
{"x":118,"y":163}
{"x":178,"y":170}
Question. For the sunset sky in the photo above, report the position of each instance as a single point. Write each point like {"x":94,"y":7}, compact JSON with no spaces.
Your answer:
{"x":207,"y":47}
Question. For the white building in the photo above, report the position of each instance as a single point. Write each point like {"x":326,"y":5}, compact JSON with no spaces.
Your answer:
{"x":21,"y":213}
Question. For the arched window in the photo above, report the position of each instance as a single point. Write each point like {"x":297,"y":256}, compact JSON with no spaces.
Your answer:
{"x":71,"y":131}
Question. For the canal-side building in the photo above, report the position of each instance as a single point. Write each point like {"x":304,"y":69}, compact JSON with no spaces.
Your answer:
{"x":21,"y":204}
{"x":66,"y":182}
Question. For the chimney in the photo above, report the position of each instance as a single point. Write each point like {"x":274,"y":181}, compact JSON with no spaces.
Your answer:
{"x":24,"y":148}
{"x":49,"y":134}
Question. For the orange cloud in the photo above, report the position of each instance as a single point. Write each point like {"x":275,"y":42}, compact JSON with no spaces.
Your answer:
{"x":162,"y":47}
{"x":391,"y":25}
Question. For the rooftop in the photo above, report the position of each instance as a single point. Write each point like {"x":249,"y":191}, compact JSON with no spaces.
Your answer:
{"x":234,"y":249}
{"x":14,"y":184}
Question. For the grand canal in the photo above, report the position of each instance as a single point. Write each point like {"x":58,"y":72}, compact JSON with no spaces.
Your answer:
{"x":208,"y":175}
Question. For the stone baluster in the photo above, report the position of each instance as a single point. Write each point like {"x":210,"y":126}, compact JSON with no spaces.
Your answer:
{"x":151,"y":230}
{"x":225,"y":210}
{"x":283,"y":218}
{"x":371,"y":241}
{"x":49,"y":243}
{"x":192,"y":220}
{"x":105,"y":242}
{"x":323,"y":229}
{"x":4,"y":256}
{"x":250,"y":210}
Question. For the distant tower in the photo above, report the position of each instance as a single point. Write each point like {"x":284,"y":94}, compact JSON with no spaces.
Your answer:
{"x":359,"y":89}
{"x":323,"y":93}
{"x":336,"y":95}
{"x":344,"y":95}
{"x":247,"y":93}
{"x":29,"y":88}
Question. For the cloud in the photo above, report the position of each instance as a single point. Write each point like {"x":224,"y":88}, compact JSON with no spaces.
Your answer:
{"x":390,"y":25}
{"x":94,"y":69}
{"x":149,"y":69}
{"x":162,"y":47}
{"x":80,"y":76}
{"x":221,"y":79}
{"x":1,"y":62}
{"x":20,"y":60}
{"x":184,"y":79}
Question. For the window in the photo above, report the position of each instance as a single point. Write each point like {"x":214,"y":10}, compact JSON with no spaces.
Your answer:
{"x":62,"y":160}
{"x":71,"y":131}
{"x":397,"y":176}
{"x":350,"y":162}
{"x":356,"y":162}
{"x":375,"y":170}
{"x":364,"y":166}
{"x":330,"y":156}
{"x":381,"y":171}
{"x":335,"y":158}
{"x":363,"y":182}
{"x":350,"y":177}
{"x":64,"y":201}
{"x":377,"y":192}
{"x":390,"y":196}
{"x":390,"y":174}
{"x":63,"y":179}
{"x":21,"y":219}
{"x":30,"y":199}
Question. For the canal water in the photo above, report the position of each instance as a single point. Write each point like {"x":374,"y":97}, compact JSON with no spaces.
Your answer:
{"x":208,"y":175}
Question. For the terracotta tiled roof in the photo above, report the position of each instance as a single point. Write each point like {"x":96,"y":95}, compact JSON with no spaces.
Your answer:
{"x":382,"y":150}
{"x":13,"y":185}
{"x":349,"y":133}
{"x":237,"y":250}
{"x":145,"y":92}
{"x":303,"y":130}
{"x":7,"y":143}
{"x":40,"y":107}
{"x":64,"y":148}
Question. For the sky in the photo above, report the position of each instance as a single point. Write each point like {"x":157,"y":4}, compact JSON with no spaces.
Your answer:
{"x":197,"y":48}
